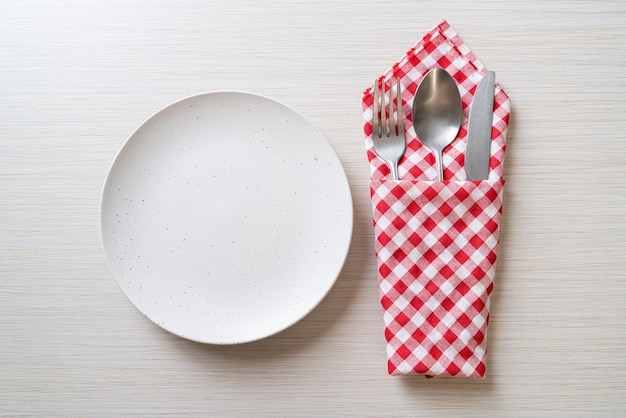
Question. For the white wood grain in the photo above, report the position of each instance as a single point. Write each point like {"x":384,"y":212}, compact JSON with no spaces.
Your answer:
{"x":78,"y":77}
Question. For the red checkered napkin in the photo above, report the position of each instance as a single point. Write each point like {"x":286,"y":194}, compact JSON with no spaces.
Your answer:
{"x":437,"y":242}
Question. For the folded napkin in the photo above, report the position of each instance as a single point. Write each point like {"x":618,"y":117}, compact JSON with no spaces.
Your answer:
{"x":436,"y":242}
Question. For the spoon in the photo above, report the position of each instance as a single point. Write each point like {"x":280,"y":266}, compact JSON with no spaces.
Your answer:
{"x":437,"y":113}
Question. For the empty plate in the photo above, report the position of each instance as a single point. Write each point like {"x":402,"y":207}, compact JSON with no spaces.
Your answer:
{"x":226,"y":217}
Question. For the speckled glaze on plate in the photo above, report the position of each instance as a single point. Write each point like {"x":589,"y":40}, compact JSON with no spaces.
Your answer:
{"x":226,"y":217}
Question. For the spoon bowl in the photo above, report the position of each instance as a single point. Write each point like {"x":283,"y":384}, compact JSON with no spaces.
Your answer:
{"x":437,"y":113}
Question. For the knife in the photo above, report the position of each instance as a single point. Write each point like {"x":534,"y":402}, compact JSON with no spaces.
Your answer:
{"x":478,"y":152}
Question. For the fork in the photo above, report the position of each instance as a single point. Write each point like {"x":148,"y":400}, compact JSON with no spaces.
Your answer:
{"x":388,"y":133}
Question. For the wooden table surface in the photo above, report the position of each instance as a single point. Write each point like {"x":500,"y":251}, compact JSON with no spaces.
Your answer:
{"x":77,"y":77}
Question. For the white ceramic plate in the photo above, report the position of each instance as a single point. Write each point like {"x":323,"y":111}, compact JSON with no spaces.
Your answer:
{"x":226,"y":217}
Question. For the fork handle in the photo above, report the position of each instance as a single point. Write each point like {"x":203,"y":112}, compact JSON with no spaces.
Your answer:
{"x":394,"y":170}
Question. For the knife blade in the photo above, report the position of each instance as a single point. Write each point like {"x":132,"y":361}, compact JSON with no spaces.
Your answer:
{"x":478,"y":151}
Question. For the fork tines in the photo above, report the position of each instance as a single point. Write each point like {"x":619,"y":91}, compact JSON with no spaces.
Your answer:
{"x":387,"y":130}
{"x":380,"y":110}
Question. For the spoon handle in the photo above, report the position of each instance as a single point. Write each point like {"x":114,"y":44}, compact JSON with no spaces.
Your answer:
{"x":439,"y":163}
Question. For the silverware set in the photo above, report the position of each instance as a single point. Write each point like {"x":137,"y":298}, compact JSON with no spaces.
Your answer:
{"x":437,"y":117}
